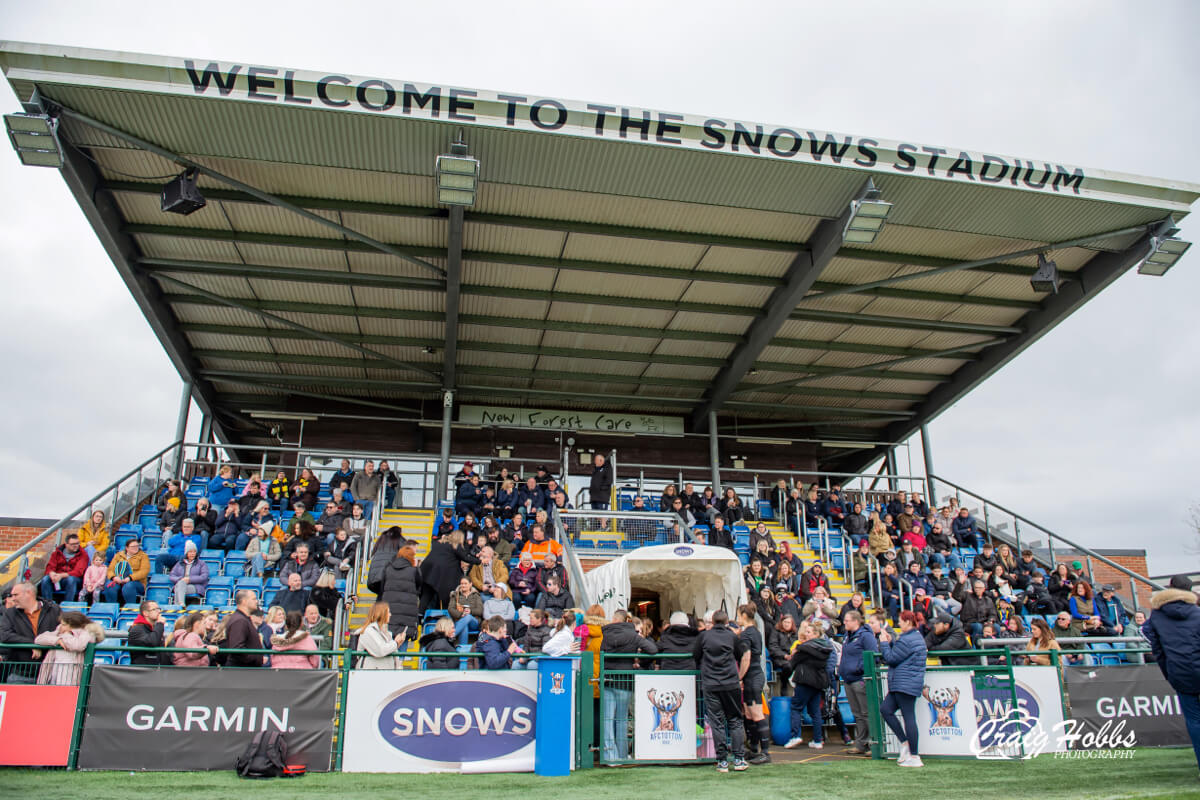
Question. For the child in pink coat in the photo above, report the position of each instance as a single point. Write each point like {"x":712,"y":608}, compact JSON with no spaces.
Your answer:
{"x":94,"y":578}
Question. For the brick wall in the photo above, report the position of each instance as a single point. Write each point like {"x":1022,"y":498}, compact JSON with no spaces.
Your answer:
{"x":1119,"y":580}
{"x":14,"y":533}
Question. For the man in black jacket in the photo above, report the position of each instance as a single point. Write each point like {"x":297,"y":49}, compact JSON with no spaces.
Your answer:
{"x":947,"y":633}
{"x":723,"y":660}
{"x":679,"y":637}
{"x":21,"y":623}
{"x":720,"y":536}
{"x":855,"y":524}
{"x":147,"y":631}
{"x":600,"y":488}
{"x":619,"y":636}
{"x":242,"y":634}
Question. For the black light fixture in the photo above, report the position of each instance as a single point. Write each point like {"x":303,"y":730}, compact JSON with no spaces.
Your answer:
{"x":1046,"y":278}
{"x":181,"y":196}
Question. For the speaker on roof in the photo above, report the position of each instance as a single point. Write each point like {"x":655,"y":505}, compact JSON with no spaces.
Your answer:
{"x":181,"y":195}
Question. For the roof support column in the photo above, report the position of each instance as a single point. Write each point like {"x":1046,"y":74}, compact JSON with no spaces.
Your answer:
{"x":927,"y":453}
{"x":891,"y":469}
{"x":714,"y":453}
{"x":801,"y":274}
{"x":185,"y":405}
{"x":443,"y":473}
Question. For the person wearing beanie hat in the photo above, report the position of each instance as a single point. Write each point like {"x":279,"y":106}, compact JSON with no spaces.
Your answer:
{"x":189,"y":575}
{"x":172,"y":515}
{"x":1173,"y":631}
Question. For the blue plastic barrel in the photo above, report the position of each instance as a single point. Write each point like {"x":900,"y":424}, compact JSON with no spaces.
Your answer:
{"x":781,"y":720}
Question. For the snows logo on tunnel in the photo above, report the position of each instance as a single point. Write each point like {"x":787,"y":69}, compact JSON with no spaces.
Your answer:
{"x":457,"y":720}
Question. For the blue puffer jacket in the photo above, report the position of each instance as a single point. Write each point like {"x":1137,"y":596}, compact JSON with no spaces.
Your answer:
{"x":857,"y":643}
{"x":177,"y":542}
{"x":1174,"y":633}
{"x":495,"y":651}
{"x":905,"y":658}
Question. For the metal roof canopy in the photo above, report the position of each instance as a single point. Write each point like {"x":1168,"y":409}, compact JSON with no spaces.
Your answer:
{"x":621,"y":258}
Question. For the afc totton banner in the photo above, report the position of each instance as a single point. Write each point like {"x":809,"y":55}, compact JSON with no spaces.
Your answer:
{"x":141,"y":718}
{"x":664,"y":717}
{"x":547,"y":419}
{"x":441,"y":721}
{"x":1110,"y":703}
{"x":36,"y":724}
{"x":946,"y":714}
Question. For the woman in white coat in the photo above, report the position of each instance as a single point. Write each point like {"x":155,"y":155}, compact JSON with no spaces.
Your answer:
{"x":380,"y":645}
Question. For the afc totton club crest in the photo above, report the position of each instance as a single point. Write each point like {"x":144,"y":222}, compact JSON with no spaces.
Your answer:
{"x":556,"y":682}
{"x":666,"y":709}
{"x":942,"y":703}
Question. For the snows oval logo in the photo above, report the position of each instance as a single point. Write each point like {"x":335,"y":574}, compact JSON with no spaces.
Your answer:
{"x":458,"y":721}
{"x":683,"y":550}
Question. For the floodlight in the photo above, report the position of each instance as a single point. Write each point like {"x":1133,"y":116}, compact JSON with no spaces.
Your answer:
{"x":1163,"y":255}
{"x":457,"y":175}
{"x":868,"y":214}
{"x":35,"y":138}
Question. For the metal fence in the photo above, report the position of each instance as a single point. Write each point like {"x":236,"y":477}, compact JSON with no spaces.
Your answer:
{"x":615,"y":532}
{"x":616,"y":743}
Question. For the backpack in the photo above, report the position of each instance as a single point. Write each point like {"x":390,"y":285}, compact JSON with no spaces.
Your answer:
{"x":264,"y":757}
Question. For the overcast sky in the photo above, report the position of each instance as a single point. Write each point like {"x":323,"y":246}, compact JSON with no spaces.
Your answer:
{"x":1089,"y":432}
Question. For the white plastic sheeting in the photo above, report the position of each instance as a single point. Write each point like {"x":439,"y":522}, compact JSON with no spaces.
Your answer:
{"x":687,"y":577}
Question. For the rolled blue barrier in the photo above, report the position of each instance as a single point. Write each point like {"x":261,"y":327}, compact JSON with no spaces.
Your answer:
{"x":781,"y":720}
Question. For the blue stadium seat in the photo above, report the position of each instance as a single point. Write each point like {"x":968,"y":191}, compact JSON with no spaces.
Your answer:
{"x":104,"y":657}
{"x":743,"y":557}
{"x":813,"y":540}
{"x":434,"y":613}
{"x":123,"y":660}
{"x":126,"y":533}
{"x":159,"y":594}
{"x":272,"y":585}
{"x":195,"y":492}
{"x":160,"y":580}
{"x":837,"y":560}
{"x":607,"y":544}
{"x":340,"y":585}
{"x":463,"y":648}
{"x":151,"y":542}
{"x":254,"y":584}
{"x":220,"y":591}
{"x":765,"y":509}
{"x":125,"y":619}
{"x":234,"y":565}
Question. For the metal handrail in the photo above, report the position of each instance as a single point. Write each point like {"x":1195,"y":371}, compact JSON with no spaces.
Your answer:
{"x":1133,"y":576}
{"x":69,"y":519}
{"x":574,"y":566}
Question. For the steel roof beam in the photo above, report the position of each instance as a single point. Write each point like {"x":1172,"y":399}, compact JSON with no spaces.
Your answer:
{"x":337,"y":278}
{"x":860,"y":371}
{"x":328,"y":337}
{"x":1100,"y":271}
{"x":514,"y":259}
{"x":103,"y":214}
{"x":497,"y":347}
{"x":432,"y":389}
{"x":267,"y":197}
{"x":800,"y":277}
{"x":319,"y":243}
{"x":876,"y":321}
{"x":547,"y":325}
{"x":483,"y":218}
{"x":983,"y":262}
{"x":543,"y":374}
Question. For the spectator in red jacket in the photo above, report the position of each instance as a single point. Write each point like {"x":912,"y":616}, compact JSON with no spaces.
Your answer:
{"x":814,"y":577}
{"x":64,"y":570}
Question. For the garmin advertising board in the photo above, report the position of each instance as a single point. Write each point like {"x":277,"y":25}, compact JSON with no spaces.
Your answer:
{"x":142,"y":718}
{"x":441,"y":721}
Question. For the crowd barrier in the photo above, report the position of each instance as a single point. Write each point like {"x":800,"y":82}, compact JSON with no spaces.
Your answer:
{"x":534,"y":719}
